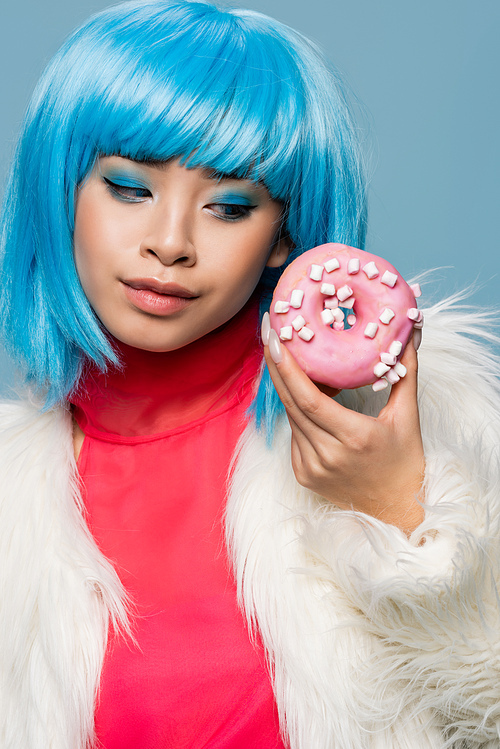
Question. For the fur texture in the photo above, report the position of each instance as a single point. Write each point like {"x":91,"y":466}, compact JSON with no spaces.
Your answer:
{"x":57,"y":592}
{"x":374,"y":640}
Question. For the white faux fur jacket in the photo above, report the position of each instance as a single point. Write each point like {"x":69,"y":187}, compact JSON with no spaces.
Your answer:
{"x":374,"y":640}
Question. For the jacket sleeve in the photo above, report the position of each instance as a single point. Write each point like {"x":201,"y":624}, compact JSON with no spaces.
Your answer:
{"x":433,"y":599}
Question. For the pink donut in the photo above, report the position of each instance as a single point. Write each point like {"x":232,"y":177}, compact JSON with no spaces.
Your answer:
{"x":332,"y":285}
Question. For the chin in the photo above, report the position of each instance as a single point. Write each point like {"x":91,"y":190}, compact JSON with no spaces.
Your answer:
{"x":157,"y":347}
{"x":154,"y":343}
{"x":160,"y":335}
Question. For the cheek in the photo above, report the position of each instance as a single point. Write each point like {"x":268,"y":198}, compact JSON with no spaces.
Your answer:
{"x":86,"y":234}
{"x":241,"y":276}
{"x":81,"y":257}
{"x":249,"y":254}
{"x":97,"y":242}
{"x":87,"y":259}
{"x":95,"y":271}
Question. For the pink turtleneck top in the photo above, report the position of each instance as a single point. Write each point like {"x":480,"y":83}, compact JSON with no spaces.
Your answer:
{"x":159,"y":437}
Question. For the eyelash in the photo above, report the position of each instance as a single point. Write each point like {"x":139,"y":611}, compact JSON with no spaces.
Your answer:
{"x":243,"y":211}
{"x":124,"y":191}
{"x":130,"y":194}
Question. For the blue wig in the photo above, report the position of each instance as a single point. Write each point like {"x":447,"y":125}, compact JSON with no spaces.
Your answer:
{"x":227,"y":89}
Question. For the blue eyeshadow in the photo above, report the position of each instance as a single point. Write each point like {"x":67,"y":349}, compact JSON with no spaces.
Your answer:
{"x":122,"y":178}
{"x":234,"y":199}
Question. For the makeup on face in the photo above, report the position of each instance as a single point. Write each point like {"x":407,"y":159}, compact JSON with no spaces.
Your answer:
{"x":132,"y":178}
{"x":234,"y":198}
{"x":232,"y":206}
{"x":123,"y":182}
{"x":166,"y":254}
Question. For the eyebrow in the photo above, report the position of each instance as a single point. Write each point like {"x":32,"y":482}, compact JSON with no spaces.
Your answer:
{"x":216,"y":176}
{"x":213,"y":175}
{"x":209,"y":173}
{"x":159,"y":163}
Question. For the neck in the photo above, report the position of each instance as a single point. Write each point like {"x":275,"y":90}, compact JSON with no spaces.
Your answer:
{"x":155,"y":392}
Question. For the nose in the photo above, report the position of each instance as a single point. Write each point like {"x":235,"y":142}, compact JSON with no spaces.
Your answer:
{"x":168,"y":237}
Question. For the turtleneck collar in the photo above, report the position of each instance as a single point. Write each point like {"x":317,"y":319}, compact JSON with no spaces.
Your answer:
{"x":153,"y":393}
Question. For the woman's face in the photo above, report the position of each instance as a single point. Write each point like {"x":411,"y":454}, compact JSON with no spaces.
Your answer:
{"x":167,"y":254}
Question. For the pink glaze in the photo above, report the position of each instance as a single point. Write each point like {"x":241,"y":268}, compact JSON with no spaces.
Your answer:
{"x":344,"y":358}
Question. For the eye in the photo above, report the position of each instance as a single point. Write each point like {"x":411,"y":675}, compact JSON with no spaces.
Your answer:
{"x":231,"y":211}
{"x":130,"y":193}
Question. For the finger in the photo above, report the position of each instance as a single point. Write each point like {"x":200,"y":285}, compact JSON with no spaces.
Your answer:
{"x":305,"y":443}
{"x":305,"y":447}
{"x":297,"y":416}
{"x":312,"y":460}
{"x":303,"y":400}
{"x":403,"y":396}
{"x":327,"y":390}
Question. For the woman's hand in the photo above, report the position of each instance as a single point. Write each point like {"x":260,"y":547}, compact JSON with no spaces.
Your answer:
{"x":372,"y":465}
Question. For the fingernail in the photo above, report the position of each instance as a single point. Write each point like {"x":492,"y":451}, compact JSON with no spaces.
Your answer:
{"x":417,"y":338}
{"x":275,"y":347}
{"x":265,"y":328}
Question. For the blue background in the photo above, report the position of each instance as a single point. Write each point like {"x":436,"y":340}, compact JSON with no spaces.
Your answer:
{"x":425,"y":76}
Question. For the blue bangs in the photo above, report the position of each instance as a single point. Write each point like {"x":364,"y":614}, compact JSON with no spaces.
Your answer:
{"x":224,"y":89}
{"x":213,"y":92}
{"x":216,"y":108}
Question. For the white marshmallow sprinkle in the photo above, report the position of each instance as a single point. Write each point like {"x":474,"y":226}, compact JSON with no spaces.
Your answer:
{"x":353,"y":266}
{"x":400,"y":369}
{"x":296,"y":298}
{"x":395,"y":348}
{"x":331,"y":264}
{"x":328,"y":289}
{"x":286,"y":333}
{"x":332,"y":303}
{"x":306,"y":334}
{"x":387,"y":315}
{"x":348,"y":303}
{"x":327,"y":316}
{"x":414,"y":313}
{"x":316,"y":272}
{"x":416,"y":290}
{"x":371,"y":270}
{"x":344,"y":293}
{"x":298,"y":322}
{"x":281,"y":307}
{"x":392,"y":377}
{"x":371,"y":330}
{"x":388,"y":358}
{"x":380,"y":369}
{"x":379,"y":385}
{"x":389,"y":279}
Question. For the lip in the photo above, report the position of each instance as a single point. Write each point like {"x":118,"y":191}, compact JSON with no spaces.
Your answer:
{"x":160,"y":287}
{"x":157,"y":297}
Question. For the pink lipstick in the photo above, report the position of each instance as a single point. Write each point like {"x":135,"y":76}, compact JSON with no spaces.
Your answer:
{"x":157,"y":297}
